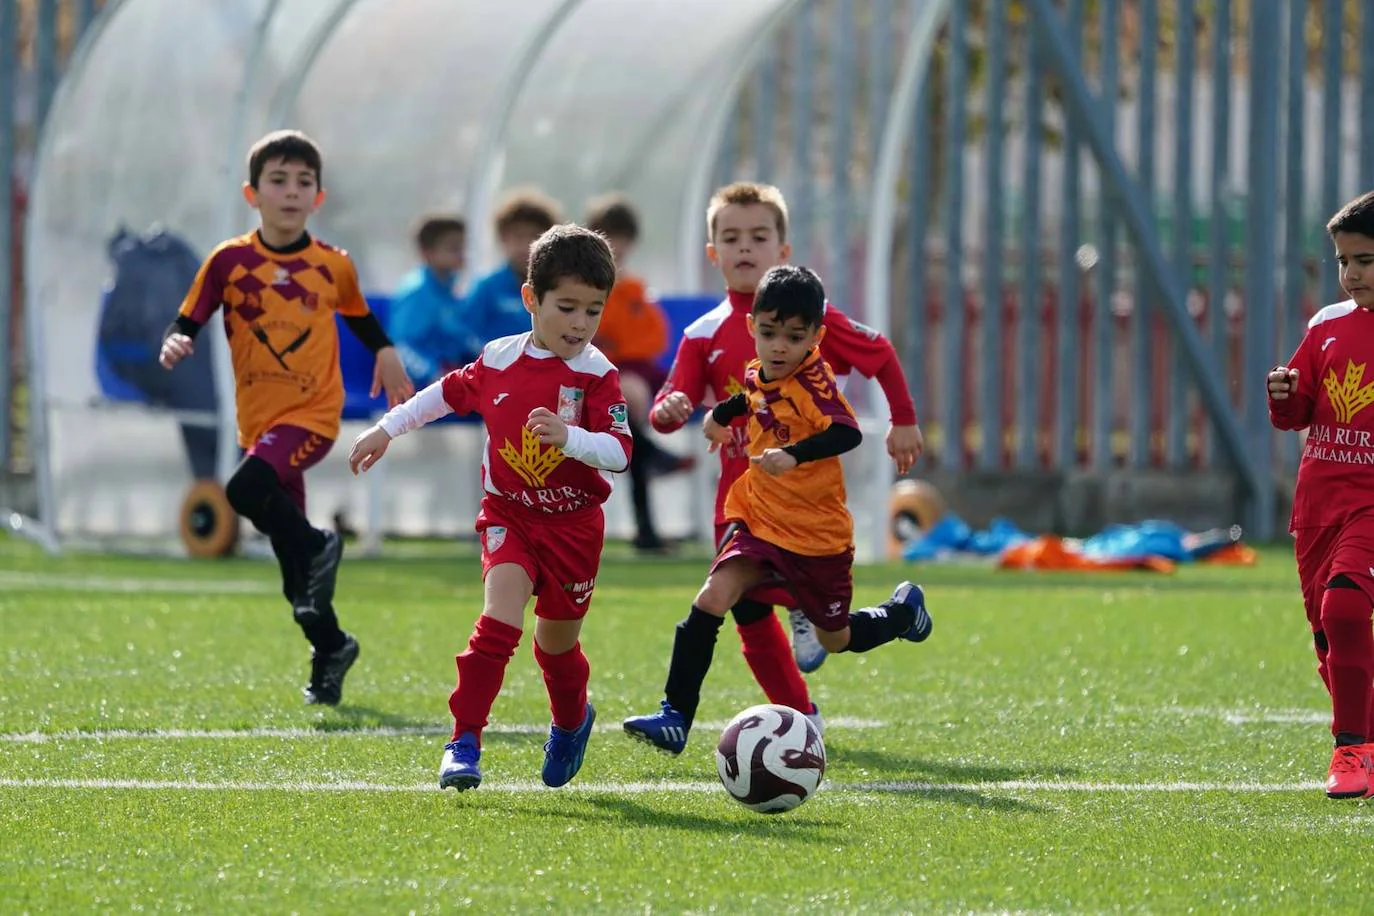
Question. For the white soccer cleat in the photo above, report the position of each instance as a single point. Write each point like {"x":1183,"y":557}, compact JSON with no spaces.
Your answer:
{"x":807,"y":649}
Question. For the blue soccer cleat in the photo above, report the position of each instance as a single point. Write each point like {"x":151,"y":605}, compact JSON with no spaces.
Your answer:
{"x":911,"y":595}
{"x":807,"y":649}
{"x":564,"y":750}
{"x":665,"y":730}
{"x":459,"y":768}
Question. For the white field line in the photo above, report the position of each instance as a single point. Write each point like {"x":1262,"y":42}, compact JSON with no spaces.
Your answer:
{"x":385,"y":731}
{"x":66,"y":583}
{"x":643,"y":788}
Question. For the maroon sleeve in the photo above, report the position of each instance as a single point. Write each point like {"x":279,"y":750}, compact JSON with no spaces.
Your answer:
{"x":1295,"y":411}
{"x":818,"y":388}
{"x":207,"y":289}
{"x":848,"y":343}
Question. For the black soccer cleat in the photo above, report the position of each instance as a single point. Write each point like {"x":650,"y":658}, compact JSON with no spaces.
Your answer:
{"x":327,"y":672}
{"x":320,"y":577}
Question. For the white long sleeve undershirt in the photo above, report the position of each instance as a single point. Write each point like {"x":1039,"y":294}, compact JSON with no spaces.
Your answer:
{"x":426,"y":407}
{"x":598,"y":450}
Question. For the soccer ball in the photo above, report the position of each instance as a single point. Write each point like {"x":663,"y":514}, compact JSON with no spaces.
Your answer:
{"x":770,"y":758}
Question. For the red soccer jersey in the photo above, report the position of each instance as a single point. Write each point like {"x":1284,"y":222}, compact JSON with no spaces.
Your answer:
{"x":512,"y":378}
{"x":715,"y":349}
{"x":1336,"y":474}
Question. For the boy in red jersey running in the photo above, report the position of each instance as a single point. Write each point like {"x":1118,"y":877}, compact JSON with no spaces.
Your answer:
{"x":746,"y":224}
{"x":1323,"y":389}
{"x":556,"y":425}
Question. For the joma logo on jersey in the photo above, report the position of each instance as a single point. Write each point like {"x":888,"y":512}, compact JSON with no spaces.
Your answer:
{"x":532,"y":462}
{"x":1347,"y":395}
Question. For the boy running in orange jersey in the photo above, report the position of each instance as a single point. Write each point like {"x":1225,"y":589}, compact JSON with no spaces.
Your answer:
{"x":747,"y":226}
{"x":278,"y":289}
{"x":787,"y":517}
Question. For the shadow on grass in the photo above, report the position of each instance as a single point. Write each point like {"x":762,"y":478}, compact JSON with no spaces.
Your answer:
{"x":347,"y":717}
{"x":883,"y":766}
{"x":796,"y":825}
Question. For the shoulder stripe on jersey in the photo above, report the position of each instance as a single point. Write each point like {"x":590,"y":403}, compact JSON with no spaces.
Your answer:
{"x":592,"y":361}
{"x":1332,"y":312}
{"x":502,"y":352}
{"x":708,"y":324}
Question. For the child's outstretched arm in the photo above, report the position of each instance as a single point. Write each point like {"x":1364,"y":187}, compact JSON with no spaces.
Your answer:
{"x":847,"y":343}
{"x":685,"y":387}
{"x":426,"y":407}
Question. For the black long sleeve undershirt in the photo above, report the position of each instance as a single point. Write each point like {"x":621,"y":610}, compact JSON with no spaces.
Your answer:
{"x":835,"y":440}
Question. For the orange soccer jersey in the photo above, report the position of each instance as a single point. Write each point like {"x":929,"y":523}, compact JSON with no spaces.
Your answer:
{"x":633,"y":326}
{"x":804,"y":510}
{"x":279,"y":317}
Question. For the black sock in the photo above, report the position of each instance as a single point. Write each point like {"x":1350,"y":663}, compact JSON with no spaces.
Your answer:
{"x":322,"y":629}
{"x":693,"y":646}
{"x":1347,"y":739}
{"x":256,"y":493}
{"x":873,"y":626}
{"x":292,"y":565}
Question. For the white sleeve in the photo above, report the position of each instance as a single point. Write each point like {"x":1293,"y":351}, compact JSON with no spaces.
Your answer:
{"x":599,"y":450}
{"x":426,"y":407}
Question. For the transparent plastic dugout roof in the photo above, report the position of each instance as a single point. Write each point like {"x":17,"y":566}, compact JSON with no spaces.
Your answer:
{"x":418,"y":105}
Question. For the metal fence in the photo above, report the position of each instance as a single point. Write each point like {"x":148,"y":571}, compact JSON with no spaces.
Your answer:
{"x":1111,"y":210}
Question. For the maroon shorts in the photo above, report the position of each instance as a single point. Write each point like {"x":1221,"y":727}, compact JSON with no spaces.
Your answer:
{"x":291,"y":451}
{"x":561,"y":555}
{"x":769,"y":594}
{"x":821,"y":586}
{"x":1324,"y":553}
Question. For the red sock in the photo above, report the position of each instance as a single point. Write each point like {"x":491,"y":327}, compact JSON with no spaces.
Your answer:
{"x":480,"y":672}
{"x":769,"y":655}
{"x":565,"y":677}
{"x":1350,"y":660}
{"x":1323,"y":671}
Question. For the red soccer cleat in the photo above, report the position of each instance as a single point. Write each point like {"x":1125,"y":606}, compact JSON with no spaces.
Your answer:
{"x":1349,"y":773}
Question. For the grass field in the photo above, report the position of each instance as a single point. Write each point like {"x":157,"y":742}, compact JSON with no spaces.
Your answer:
{"x":1062,"y":743}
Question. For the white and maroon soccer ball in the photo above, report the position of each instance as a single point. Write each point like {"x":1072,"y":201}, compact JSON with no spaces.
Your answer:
{"x":770,"y":758}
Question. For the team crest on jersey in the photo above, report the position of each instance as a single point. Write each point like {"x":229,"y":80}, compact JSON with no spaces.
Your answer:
{"x":1348,"y":396}
{"x":864,"y":329}
{"x":620,"y":418}
{"x":570,"y":405}
{"x":732,"y":387}
{"x":495,"y":536}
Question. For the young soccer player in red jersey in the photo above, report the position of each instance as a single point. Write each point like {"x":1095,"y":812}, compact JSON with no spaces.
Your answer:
{"x":1324,"y":389}
{"x":787,"y":515}
{"x":279,"y":289}
{"x":746,"y":225}
{"x":556,"y":425}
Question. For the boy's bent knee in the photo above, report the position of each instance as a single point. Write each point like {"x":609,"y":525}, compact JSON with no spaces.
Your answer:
{"x":833,"y":640}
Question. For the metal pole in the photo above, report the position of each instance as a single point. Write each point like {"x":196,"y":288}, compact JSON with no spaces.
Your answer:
{"x":9,"y":68}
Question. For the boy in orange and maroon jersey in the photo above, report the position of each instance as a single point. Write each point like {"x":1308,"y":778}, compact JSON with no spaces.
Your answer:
{"x":278,"y":289}
{"x":557,"y":426}
{"x":1324,"y":389}
{"x":746,"y":225}
{"x":787,"y":517}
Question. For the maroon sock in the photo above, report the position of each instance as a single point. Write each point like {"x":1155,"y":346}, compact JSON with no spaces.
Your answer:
{"x":480,"y":672}
{"x":565,"y":677}
{"x":1350,"y":659}
{"x":769,"y":656}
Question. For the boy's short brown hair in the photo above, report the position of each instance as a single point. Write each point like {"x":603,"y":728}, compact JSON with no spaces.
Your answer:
{"x":288,"y":146}
{"x":433,"y":229}
{"x":614,"y":216}
{"x":570,"y":252}
{"x":527,"y":205}
{"x":1356,"y":216}
{"x":744,"y":193}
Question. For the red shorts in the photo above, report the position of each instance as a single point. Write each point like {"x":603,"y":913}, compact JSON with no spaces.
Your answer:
{"x":560,"y":555}
{"x":821,"y":586}
{"x":772,"y":595}
{"x":1324,"y":553}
